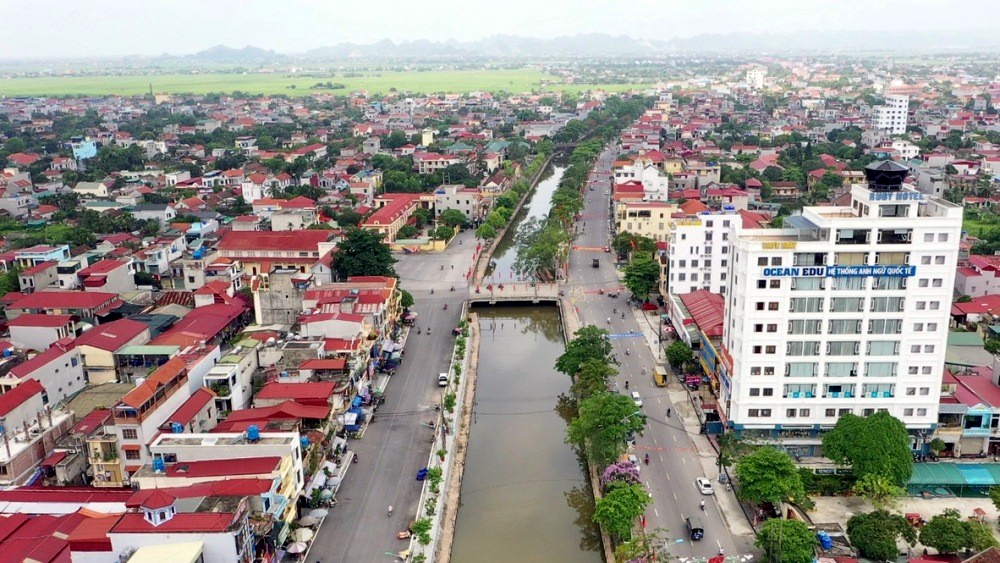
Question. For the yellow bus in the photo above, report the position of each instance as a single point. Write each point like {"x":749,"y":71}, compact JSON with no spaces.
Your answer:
{"x":660,"y":376}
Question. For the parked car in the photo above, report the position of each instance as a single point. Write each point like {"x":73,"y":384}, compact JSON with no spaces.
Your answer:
{"x":636,"y":398}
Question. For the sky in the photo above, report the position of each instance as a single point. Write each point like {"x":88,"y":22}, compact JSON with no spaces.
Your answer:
{"x":109,"y":28}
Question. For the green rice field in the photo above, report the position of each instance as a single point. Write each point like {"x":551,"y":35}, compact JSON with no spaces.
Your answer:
{"x":433,"y":81}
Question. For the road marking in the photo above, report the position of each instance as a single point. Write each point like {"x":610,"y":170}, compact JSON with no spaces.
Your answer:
{"x":675,"y":496}
{"x":674,"y":437}
{"x":684,"y":460}
{"x":668,"y":476}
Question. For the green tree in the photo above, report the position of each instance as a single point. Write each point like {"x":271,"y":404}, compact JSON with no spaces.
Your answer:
{"x":396,"y":139}
{"x":878,"y":444}
{"x":679,"y":353}
{"x":421,"y":216}
{"x":347,"y":218}
{"x":878,"y":490}
{"x":486,"y":232}
{"x":642,"y":274}
{"x":603,"y":423}
{"x":592,"y":378}
{"x":444,"y":232}
{"x":786,"y":541}
{"x":875,"y":534}
{"x":452,"y":218}
{"x":616,"y":511}
{"x":772,"y":174}
{"x":407,"y":231}
{"x":542,"y":246}
{"x":405,"y":299}
{"x":946,"y":533}
{"x":769,"y":475}
{"x":980,"y":536}
{"x":362,"y":253}
{"x":9,"y":281}
{"x":588,"y":343}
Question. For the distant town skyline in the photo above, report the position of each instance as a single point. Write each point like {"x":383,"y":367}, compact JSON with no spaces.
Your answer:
{"x":112,"y":28}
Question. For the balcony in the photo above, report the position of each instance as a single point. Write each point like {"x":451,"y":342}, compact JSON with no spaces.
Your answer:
{"x":894,"y":236}
{"x":976,"y":432}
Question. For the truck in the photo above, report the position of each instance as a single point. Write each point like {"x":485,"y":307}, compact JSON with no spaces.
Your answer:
{"x":596,"y":263}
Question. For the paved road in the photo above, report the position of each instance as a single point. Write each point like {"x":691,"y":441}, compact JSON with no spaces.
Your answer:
{"x":398,"y":444}
{"x":675,"y":463}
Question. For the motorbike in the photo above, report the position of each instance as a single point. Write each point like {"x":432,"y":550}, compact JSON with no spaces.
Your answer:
{"x":355,"y":460}
{"x":452,"y":288}
{"x":419,"y":331}
{"x":647,"y":459}
{"x":445,"y":306}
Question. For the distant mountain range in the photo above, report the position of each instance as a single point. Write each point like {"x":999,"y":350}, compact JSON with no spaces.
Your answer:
{"x":599,"y":44}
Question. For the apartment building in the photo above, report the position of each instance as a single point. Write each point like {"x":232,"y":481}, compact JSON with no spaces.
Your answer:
{"x":699,"y":252}
{"x":892,"y":116}
{"x":845,"y":310}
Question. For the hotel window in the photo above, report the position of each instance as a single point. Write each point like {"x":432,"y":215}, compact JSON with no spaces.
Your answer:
{"x":759,"y":413}
{"x":770,"y":349}
{"x":848,"y":284}
{"x":849,"y":348}
{"x":776,"y":261}
{"x":935,"y":305}
{"x":928,"y":237}
{"x":772,"y":284}
{"x":772,"y":306}
{"x":769,"y":370}
{"x":925,"y":260}
{"x":880,"y":369}
{"x":931,"y":327}
{"x":807,"y":284}
{"x":937,"y":282}
{"x":846,"y":304}
{"x":922,"y":282}
{"x":907,"y":412}
{"x":942,"y":237}
{"x":800,"y":348}
{"x":883,"y":348}
{"x":757,"y":349}
{"x":921,"y":412}
{"x":761,"y":284}
{"x":830,"y":412}
{"x":850,"y":258}
{"x":801,"y":369}
{"x":772,"y":328}
{"x":762,"y":260}
{"x":841,"y":369}
{"x":845,"y":326}
{"x":755,"y":370}
{"x":939,"y":260}
{"x":806,"y":304}
{"x":885,"y":326}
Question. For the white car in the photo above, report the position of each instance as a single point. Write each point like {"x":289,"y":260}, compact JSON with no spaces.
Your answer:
{"x":636,"y":398}
{"x":635,"y":461}
{"x":704,"y":486}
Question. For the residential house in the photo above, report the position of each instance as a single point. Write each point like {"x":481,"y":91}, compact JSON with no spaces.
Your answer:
{"x":98,"y":346}
{"x":162,"y":213}
{"x":260,"y":252}
{"x":38,"y":332}
{"x":93,"y":189}
{"x":30,"y":432}
{"x":88,"y":306}
{"x":393,"y":211}
{"x":59,"y":370}
{"x":39,"y":276}
{"x":469,"y":201}
{"x":117,"y":276}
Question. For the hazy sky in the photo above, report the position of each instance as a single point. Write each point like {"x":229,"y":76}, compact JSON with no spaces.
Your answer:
{"x":64,"y":28}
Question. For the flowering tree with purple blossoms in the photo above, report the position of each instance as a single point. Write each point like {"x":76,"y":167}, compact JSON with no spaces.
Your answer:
{"x":623,"y":472}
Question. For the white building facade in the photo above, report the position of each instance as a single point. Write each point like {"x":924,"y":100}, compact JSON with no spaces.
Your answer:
{"x":699,"y":252}
{"x":845,"y":310}
{"x":892,"y":116}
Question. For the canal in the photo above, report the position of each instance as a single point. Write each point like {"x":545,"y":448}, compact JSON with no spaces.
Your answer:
{"x":525,"y":493}
{"x":538,"y":206}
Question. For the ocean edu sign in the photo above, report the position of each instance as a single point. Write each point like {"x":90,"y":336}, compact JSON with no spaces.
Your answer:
{"x":841,"y":272}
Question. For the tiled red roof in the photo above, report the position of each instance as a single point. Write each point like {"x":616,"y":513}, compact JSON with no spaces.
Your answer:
{"x":297,"y":391}
{"x":385,"y":215}
{"x":111,"y":336}
{"x":94,"y":420}
{"x":39,"y":320}
{"x":197,"y":401}
{"x":80,"y":495}
{"x":707,"y":310}
{"x":287,"y":410}
{"x":224,"y":467}
{"x":158,"y":499}
{"x":207,"y":522}
{"x":305,"y":240}
{"x":324,"y":363}
{"x":66,"y":300}
{"x":51,"y":354}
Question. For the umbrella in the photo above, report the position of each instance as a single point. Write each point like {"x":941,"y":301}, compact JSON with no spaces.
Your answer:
{"x":303,"y":534}
{"x":308,"y":521}
{"x":319,"y":513}
{"x":297,"y":547}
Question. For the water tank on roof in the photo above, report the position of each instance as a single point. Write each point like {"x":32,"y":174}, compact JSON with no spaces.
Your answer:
{"x":200,"y":253}
{"x":253,"y":433}
{"x":6,"y":352}
{"x":824,"y":540}
{"x":139,"y":381}
{"x":158,"y":465}
{"x":176,"y":428}
{"x":729,"y":207}
{"x":304,"y":442}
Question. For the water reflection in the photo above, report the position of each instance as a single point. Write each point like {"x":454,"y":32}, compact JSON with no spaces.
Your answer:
{"x":538,"y":206}
{"x":524,"y":495}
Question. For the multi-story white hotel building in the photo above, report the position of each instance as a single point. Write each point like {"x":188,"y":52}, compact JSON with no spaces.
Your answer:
{"x":699,"y":252}
{"x":844,"y":310}
{"x":892,"y":116}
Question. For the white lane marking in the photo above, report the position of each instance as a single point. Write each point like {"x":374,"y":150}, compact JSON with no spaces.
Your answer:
{"x":675,"y":437}
{"x":675,"y":495}
{"x":684,"y":460}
